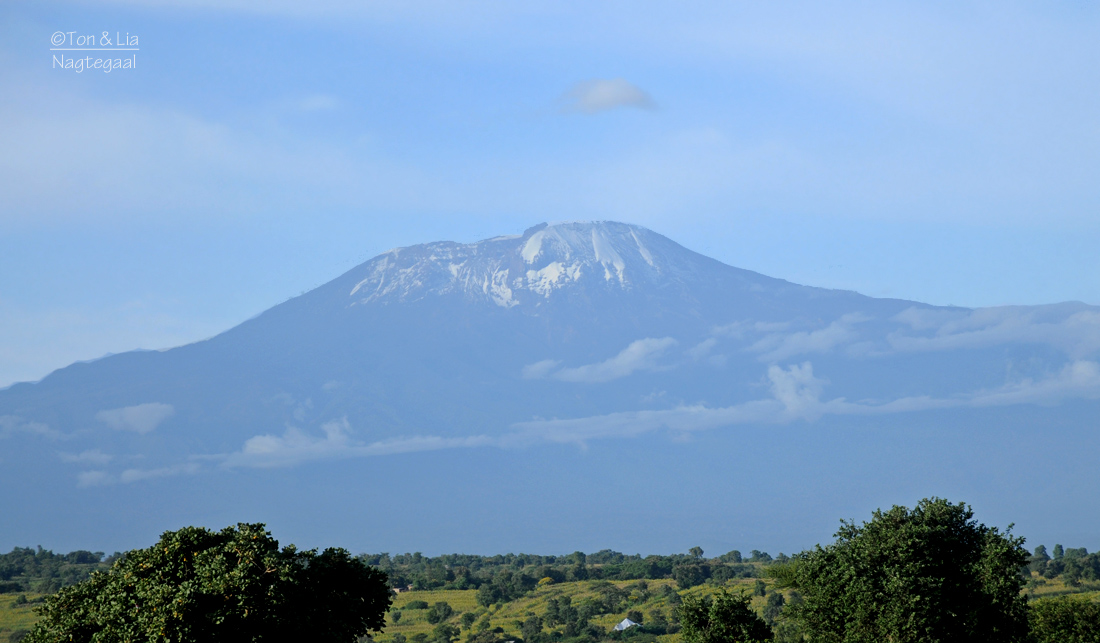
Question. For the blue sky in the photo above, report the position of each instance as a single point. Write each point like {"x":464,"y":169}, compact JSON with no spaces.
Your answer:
{"x":933,"y":151}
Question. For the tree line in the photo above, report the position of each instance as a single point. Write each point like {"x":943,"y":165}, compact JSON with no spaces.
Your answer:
{"x":509,"y":576}
{"x":41,"y":571}
{"x":929,"y":574}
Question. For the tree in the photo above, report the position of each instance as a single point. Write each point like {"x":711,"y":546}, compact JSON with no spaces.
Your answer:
{"x":722,"y":618}
{"x":1066,"y":619}
{"x":1037,"y":562}
{"x":236,"y":584}
{"x":690,"y":575}
{"x":773,"y":608}
{"x":532,"y":629}
{"x":928,"y":574}
{"x":487,"y":594}
{"x":440,"y":612}
{"x":483,"y":636}
{"x":731,"y":557}
{"x":445,"y":633}
{"x":657,"y":620}
{"x":696,"y":552}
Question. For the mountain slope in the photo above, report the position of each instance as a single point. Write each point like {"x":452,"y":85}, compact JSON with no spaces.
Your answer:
{"x":576,"y":333}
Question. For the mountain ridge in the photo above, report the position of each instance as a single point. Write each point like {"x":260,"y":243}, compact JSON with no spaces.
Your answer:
{"x":570,"y":335}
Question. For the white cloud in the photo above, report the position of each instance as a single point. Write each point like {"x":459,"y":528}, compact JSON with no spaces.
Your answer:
{"x":1079,"y":379}
{"x":91,"y":456}
{"x":94,"y":479}
{"x":796,"y":395}
{"x":99,"y":478}
{"x":318,"y":103}
{"x":134,"y":475}
{"x":295,"y":446}
{"x":638,"y":356}
{"x":539,"y":370}
{"x":11,"y":424}
{"x":141,"y":418}
{"x":601,"y":95}
{"x":738,"y":330}
{"x":797,"y":390}
{"x":1071,"y":328}
{"x":778,"y":346}
{"x":702,"y":349}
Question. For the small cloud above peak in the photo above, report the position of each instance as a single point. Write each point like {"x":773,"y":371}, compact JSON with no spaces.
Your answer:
{"x":318,"y":103}
{"x":592,"y":96}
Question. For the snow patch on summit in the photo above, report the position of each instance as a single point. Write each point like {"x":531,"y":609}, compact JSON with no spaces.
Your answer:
{"x":555,"y":275}
{"x":511,"y":271}
{"x":533,"y":247}
{"x":605,"y":254}
{"x":500,"y":292}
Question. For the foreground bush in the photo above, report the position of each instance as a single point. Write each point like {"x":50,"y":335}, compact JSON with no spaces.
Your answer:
{"x":927,"y":575}
{"x":1067,"y":619}
{"x":233,"y":585}
{"x":722,"y":618}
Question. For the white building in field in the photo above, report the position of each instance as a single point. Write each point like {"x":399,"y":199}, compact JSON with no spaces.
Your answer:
{"x":625,"y":624}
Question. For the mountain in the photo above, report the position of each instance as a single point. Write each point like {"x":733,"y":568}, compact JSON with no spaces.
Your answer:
{"x":441,"y":375}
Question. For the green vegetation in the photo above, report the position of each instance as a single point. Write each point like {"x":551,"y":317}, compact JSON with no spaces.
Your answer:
{"x":571,"y":611}
{"x":17,"y":615}
{"x":932,"y":573}
{"x":41,"y":571}
{"x":233,"y":585}
{"x":505,"y":578}
{"x":1066,"y":619}
{"x":927,"y":574}
{"x":722,"y":618}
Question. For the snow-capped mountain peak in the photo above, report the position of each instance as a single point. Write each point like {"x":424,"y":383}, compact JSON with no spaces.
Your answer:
{"x":509,"y":271}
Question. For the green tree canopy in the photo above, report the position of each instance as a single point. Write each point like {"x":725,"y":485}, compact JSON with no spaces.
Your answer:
{"x":232,"y":585}
{"x":1066,"y":619}
{"x":440,"y":612}
{"x":926,"y":575}
{"x":723,"y":618}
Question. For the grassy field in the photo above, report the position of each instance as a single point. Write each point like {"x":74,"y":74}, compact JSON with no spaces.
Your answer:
{"x":1043,"y":588}
{"x":510,"y":616}
{"x":15,"y":617}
